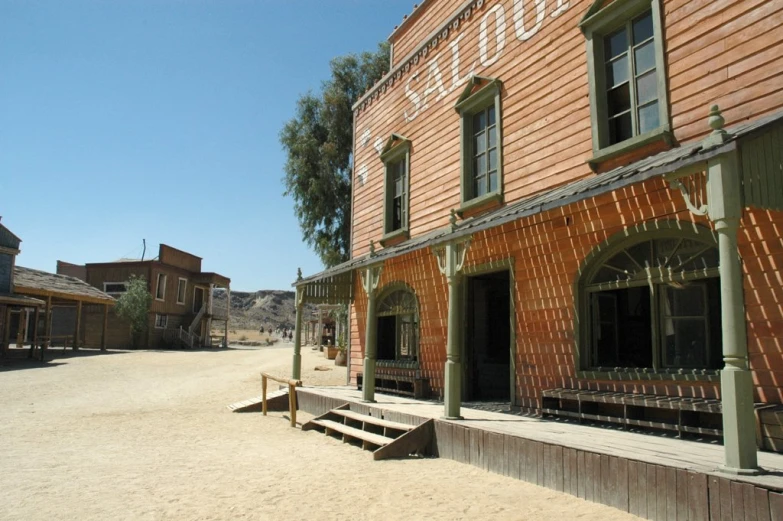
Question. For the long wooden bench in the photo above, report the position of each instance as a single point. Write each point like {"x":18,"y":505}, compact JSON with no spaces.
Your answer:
{"x":698,"y":416}
{"x":398,"y":381}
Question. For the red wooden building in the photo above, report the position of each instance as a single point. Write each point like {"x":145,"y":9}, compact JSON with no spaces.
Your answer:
{"x":558,"y":200}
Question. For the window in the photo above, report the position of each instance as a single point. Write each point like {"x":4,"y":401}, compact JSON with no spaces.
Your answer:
{"x":396,"y":158}
{"x":160,"y":291}
{"x":115,"y":288}
{"x":398,"y":326}
{"x":161,"y":321}
{"x":182,"y":285}
{"x":628,"y":102}
{"x":482,"y":168}
{"x":653,"y":304}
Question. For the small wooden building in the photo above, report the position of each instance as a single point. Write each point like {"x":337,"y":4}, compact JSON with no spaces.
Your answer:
{"x":13,"y":304}
{"x":68,"y":301}
{"x":183,"y":312}
{"x":554,"y":201}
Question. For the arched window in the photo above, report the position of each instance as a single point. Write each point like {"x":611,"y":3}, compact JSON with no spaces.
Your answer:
{"x":652,"y":301}
{"x":398,"y":325}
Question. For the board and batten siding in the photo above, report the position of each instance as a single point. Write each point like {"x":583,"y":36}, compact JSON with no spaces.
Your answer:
{"x":728,"y":52}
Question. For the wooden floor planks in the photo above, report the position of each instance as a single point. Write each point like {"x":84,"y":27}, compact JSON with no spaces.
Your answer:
{"x":652,"y":477}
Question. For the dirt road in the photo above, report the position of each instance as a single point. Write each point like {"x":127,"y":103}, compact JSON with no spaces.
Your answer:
{"x":145,"y":435}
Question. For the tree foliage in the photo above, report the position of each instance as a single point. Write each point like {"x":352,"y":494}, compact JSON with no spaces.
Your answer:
{"x":318,"y":143}
{"x":134,"y":304}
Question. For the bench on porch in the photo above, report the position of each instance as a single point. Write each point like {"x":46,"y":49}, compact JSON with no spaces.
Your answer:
{"x":698,"y":416}
{"x":395,"y":380}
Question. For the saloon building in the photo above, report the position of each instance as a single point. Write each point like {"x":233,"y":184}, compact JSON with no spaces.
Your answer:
{"x":554,"y":200}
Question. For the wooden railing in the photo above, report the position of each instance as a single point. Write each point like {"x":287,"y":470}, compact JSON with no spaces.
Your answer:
{"x":292,"y":385}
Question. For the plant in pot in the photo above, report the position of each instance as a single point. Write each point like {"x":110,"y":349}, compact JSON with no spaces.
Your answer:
{"x":342,"y":355}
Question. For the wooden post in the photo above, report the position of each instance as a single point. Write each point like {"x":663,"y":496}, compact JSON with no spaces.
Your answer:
{"x":451,"y":258}
{"x":48,"y":320}
{"x":370,"y":280}
{"x":263,"y":394}
{"x":6,"y":329}
{"x":36,"y":318}
{"x":78,"y":325}
{"x":296,"y":369}
{"x":105,"y":326}
{"x":319,"y":332}
{"x":228,"y":307}
{"x":20,"y":329}
{"x":292,"y":403}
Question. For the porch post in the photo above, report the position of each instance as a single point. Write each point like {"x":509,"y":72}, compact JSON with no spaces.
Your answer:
{"x":296,"y":372}
{"x":370,"y":279}
{"x":320,"y":331}
{"x":6,"y":329}
{"x":451,"y":257}
{"x":105,"y":326}
{"x":736,"y":380}
{"x":36,"y":317}
{"x":78,"y":325}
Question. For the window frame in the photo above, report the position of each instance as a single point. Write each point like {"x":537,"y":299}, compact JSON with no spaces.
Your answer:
{"x":397,"y":149}
{"x":158,"y":287}
{"x":180,"y":280}
{"x":598,"y":23}
{"x":158,"y":317}
{"x":412,"y":361}
{"x":584,"y":291}
{"x":113,"y":293}
{"x":470,"y":103}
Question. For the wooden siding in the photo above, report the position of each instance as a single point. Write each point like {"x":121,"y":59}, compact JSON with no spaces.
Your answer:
{"x":548,"y":250}
{"x":179,"y":258}
{"x":717,"y":51}
{"x":762,"y":170}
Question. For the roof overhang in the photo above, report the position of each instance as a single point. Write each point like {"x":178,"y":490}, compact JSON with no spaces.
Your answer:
{"x":211,"y":278}
{"x":686,"y":158}
{"x":20,"y":300}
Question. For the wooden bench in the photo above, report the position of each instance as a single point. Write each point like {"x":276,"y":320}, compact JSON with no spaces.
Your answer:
{"x":394,"y":380}
{"x":698,"y":416}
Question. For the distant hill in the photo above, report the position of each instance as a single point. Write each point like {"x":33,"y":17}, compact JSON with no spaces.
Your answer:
{"x":261,"y":308}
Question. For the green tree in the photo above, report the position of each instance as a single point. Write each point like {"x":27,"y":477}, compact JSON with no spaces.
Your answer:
{"x":134,"y":306}
{"x":318,"y":143}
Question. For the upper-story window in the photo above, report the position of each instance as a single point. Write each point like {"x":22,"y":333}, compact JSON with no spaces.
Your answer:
{"x":628,"y":102}
{"x":160,"y":289}
{"x":396,"y":160}
{"x":115,"y":288}
{"x":182,"y":286}
{"x":482,"y":165}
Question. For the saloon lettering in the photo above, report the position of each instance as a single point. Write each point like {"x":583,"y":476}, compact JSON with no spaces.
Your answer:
{"x":422,"y":92}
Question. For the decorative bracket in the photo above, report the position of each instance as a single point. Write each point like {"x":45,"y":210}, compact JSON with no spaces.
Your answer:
{"x":371,"y":276}
{"x":702,"y":209}
{"x":451,"y":256}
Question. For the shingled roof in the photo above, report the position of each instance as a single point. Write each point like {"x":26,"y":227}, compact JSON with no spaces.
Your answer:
{"x":43,"y":284}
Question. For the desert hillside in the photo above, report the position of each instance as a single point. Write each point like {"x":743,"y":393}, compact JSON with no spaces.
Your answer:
{"x":252,"y":310}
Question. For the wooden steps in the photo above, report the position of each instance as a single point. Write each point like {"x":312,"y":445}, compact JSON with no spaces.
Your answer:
{"x":275,"y":401}
{"x":387,"y":439}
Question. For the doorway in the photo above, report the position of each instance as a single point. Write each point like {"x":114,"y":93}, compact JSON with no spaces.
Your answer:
{"x":488,"y":338}
{"x":198,"y":299}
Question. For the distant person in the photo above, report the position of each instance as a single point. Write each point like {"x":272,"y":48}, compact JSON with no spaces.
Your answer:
{"x":290,"y":335}
{"x":262,"y":329}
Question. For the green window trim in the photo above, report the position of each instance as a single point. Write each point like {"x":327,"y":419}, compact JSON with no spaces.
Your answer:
{"x":395,"y":155}
{"x":470,"y":104}
{"x":597,"y":23}
{"x":586,"y":287}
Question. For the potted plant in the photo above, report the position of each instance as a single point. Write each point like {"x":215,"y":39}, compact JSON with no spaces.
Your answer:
{"x":331,"y":351}
{"x":342,"y":356}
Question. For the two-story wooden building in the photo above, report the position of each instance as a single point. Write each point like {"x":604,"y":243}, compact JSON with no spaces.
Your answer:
{"x":573,"y":196}
{"x":182,"y":310}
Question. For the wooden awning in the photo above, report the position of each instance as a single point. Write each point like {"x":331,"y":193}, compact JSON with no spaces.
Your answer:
{"x":36,"y":283}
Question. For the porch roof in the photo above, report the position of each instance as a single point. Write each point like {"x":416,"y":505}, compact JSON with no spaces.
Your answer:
{"x":43,"y":284}
{"x":211,"y":278}
{"x":15,"y":299}
{"x":660,"y":164}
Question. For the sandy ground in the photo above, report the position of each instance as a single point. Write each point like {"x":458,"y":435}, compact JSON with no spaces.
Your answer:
{"x":145,"y":435}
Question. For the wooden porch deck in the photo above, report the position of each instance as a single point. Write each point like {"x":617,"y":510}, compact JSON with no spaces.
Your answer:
{"x":654,"y":477}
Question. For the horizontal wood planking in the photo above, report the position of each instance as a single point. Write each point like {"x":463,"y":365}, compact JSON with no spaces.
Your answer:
{"x":726,"y":52}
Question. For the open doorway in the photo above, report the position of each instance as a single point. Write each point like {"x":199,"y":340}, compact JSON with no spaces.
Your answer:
{"x":488,"y":338}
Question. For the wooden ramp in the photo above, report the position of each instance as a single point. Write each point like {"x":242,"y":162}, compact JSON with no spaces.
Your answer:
{"x":387,"y":439}
{"x":275,"y":401}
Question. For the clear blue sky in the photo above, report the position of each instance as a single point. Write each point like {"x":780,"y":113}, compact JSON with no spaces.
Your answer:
{"x":123,"y":120}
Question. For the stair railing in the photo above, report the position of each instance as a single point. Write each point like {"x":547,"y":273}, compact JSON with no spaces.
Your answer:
{"x":292,"y":385}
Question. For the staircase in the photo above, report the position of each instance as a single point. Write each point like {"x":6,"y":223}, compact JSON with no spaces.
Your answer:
{"x":196,"y":322}
{"x":387,"y":439}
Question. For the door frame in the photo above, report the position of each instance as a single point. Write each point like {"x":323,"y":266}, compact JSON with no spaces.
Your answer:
{"x":496,"y":266}
{"x":203,"y":295}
